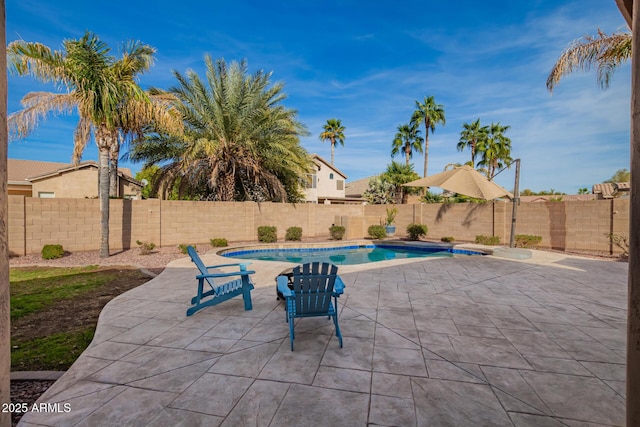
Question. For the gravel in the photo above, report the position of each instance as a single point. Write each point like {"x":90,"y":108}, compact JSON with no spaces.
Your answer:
{"x":154,"y":262}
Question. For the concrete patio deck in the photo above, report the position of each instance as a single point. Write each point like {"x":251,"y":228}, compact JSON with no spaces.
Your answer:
{"x":469,"y":341}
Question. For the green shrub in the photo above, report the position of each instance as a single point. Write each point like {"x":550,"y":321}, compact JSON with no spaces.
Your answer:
{"x":527,"y":240}
{"x":52,"y":251}
{"x":391,"y":216}
{"x":145,"y":247}
{"x":183,"y":247}
{"x":377,"y":232}
{"x":447,"y":239}
{"x":337,"y":232}
{"x":219,"y":243}
{"x":415,"y":231}
{"x":267,"y":234}
{"x":293,"y":233}
{"x":487,"y":240}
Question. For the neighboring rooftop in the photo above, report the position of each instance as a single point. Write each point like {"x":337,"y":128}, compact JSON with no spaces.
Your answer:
{"x":356,"y":188}
{"x":20,"y":170}
{"x":24,"y":170}
{"x":609,"y":190}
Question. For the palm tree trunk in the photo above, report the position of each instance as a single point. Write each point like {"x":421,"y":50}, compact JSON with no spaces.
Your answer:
{"x":226,"y":189}
{"x":114,"y":152}
{"x":426,"y":146}
{"x":104,"y":142}
{"x":406,"y":156}
{"x":333,"y":144}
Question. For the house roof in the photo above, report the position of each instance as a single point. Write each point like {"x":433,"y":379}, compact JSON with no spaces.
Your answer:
{"x":20,"y":170}
{"x":608,"y":190}
{"x":26,"y":171}
{"x":356,"y":188}
{"x":563,"y":197}
{"x":317,"y":159}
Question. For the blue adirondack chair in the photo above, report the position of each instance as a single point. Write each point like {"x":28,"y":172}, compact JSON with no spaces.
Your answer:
{"x":219,"y":293}
{"x":314,"y":287}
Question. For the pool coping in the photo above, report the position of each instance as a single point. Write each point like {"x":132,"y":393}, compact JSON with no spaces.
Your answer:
{"x":456,"y":249}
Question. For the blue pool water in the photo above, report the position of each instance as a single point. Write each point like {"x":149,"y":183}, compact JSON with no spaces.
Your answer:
{"x":346,"y":255}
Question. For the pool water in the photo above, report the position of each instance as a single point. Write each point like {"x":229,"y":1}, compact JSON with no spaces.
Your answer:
{"x":346,"y":255}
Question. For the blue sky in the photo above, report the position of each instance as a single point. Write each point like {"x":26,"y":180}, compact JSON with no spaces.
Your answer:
{"x":367,"y":63}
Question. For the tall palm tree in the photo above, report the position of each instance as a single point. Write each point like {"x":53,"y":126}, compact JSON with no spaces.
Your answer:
{"x":239,"y":143}
{"x":431,"y":114}
{"x":99,"y":86}
{"x":334,"y":133}
{"x":133,"y":125}
{"x":406,"y":140}
{"x":495,"y":150}
{"x":471,"y":135}
{"x":604,"y":51}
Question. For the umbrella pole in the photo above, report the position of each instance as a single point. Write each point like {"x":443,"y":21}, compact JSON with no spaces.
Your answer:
{"x":516,"y":202}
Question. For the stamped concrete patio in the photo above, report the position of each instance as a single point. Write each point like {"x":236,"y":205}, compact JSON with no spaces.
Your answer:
{"x":471,"y":341}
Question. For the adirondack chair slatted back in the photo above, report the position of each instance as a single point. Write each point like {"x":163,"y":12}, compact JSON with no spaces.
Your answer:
{"x":313,"y":287}
{"x":241,"y":286}
{"x":198,"y":262}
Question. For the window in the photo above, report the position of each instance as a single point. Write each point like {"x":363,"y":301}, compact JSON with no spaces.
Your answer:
{"x":46,"y":194}
{"x":339,"y":184}
{"x":311,"y":181}
{"x":330,"y":176}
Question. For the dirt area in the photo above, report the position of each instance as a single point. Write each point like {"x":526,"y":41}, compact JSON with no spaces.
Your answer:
{"x":79,"y":312}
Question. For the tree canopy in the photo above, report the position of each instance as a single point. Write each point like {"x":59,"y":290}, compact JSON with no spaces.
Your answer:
{"x":240,"y":142}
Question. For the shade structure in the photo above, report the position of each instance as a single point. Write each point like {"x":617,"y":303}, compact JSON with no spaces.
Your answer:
{"x":463,"y":180}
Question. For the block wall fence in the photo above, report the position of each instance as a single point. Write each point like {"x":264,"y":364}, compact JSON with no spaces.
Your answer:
{"x":75,"y":223}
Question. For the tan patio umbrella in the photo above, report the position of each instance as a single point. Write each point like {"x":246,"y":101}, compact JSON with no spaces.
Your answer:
{"x":463,"y":180}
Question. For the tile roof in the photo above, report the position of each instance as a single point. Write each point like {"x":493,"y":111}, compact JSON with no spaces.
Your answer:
{"x":608,"y":190}
{"x":20,"y":170}
{"x":562,"y":197}
{"x":356,"y":188}
{"x":24,"y":170}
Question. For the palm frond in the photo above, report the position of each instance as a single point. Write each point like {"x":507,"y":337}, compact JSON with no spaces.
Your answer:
{"x":606,"y":52}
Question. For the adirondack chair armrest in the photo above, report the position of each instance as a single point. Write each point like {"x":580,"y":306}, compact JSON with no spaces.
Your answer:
{"x":235,"y":273}
{"x":338,"y":286}
{"x":228,"y":265}
{"x":283,"y":286}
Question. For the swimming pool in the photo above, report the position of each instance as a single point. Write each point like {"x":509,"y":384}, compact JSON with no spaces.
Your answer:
{"x":346,"y":255}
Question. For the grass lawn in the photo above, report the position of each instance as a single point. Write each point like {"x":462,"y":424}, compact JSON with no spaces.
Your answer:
{"x":54,"y":311}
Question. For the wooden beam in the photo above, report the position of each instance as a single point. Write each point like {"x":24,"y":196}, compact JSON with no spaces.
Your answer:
{"x":626,"y":8}
{"x":633,"y":314}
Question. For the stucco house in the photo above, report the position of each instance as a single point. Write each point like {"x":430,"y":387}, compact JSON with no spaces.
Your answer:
{"x":326,"y":184}
{"x":32,"y":178}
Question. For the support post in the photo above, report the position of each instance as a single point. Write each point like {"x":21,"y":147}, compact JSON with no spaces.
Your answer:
{"x":516,"y":202}
{"x":633,"y":313}
{"x":5,"y":330}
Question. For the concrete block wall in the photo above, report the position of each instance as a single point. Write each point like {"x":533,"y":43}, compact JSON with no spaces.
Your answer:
{"x":75,"y":223}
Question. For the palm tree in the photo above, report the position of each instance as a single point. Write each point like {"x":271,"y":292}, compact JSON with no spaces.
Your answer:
{"x":495,"y":150}
{"x":606,"y":52}
{"x":334,"y":133}
{"x":100,"y":87}
{"x":133,"y":125}
{"x":470,"y":136}
{"x":431,"y":114}
{"x":239,"y":143}
{"x":398,"y":174}
{"x":406,"y":140}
